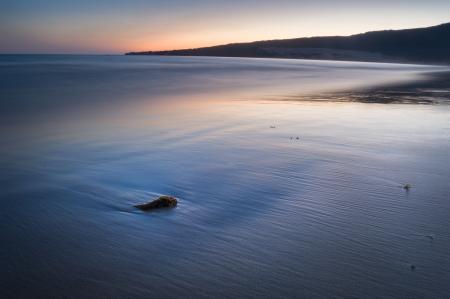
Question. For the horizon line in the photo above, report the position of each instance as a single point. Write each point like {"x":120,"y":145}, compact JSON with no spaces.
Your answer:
{"x":215,"y":45}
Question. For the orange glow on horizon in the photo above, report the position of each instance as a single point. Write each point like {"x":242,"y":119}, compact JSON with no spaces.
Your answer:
{"x":164,"y":27}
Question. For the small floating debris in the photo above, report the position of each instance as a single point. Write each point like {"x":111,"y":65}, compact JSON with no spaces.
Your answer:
{"x":298,"y":138}
{"x":413,"y":267}
{"x":163,"y":201}
{"x":272,"y":127}
{"x":291,"y":138}
{"x":431,"y":237}
{"x":407,"y":187}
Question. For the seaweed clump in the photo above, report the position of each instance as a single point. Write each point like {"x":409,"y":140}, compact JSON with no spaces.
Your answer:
{"x":163,"y":201}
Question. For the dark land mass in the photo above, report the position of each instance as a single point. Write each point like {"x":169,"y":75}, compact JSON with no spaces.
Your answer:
{"x":420,"y":45}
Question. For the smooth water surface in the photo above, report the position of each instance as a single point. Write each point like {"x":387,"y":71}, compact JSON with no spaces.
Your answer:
{"x":261,"y":213}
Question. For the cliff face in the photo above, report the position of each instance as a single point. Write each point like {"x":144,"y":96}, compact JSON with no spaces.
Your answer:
{"x":421,"y":45}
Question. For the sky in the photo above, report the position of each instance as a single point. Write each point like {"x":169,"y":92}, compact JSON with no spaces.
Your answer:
{"x":117,"y":26}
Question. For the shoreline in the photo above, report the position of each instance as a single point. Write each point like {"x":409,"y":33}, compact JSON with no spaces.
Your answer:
{"x":395,"y":62}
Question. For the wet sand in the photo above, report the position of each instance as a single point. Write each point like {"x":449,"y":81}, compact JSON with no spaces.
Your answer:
{"x":430,"y":88}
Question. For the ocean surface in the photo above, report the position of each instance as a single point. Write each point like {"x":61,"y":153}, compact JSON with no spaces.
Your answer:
{"x":284,"y":190}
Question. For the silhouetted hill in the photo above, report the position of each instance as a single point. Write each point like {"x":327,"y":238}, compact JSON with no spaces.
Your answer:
{"x":421,"y":45}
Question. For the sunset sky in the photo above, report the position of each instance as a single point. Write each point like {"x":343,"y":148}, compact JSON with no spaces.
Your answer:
{"x":114,"y":26}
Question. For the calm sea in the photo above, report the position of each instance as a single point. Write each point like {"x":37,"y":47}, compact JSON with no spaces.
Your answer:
{"x":261,"y":213}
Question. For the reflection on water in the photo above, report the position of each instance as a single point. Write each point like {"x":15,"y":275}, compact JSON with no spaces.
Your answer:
{"x":260,"y":214}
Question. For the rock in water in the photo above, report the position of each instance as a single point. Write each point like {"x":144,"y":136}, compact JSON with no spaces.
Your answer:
{"x":163,"y":201}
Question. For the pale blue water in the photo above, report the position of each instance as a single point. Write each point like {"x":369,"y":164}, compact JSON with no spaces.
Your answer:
{"x":84,"y":138}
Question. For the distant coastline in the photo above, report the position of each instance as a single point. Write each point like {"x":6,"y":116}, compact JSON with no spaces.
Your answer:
{"x":429,"y":45}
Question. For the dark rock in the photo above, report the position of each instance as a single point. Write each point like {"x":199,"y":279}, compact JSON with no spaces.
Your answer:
{"x":163,"y":201}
